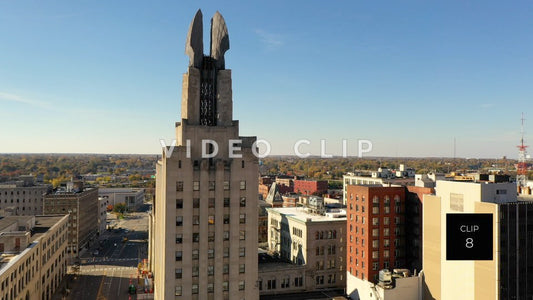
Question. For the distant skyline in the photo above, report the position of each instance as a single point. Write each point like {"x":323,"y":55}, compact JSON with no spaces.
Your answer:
{"x":410,"y":76}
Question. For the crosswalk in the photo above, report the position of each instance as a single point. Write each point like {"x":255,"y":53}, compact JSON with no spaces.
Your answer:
{"x":87,"y":269}
{"x":106,"y":259}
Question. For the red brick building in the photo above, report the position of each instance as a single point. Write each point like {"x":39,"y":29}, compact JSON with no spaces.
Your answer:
{"x":310,"y":187}
{"x":375,"y":230}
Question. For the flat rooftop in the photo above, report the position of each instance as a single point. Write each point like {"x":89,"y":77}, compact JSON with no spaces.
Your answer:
{"x":300,"y":214}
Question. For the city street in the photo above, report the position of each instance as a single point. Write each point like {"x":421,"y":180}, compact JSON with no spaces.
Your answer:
{"x":108,"y":268}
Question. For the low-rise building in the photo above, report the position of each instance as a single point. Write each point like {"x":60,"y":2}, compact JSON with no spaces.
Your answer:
{"x":33,"y":256}
{"x":314,"y":240}
{"x":310,"y":187}
{"x":22,"y":197}
{"x":132,"y":197}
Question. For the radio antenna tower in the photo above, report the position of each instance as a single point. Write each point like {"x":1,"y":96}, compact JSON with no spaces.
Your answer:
{"x":521,"y":174}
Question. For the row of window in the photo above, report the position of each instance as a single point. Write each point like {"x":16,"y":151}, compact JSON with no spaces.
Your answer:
{"x":210,"y":219}
{"x":210,"y":236}
{"x":210,"y":288}
{"x":285,"y":283}
{"x":329,"y":250}
{"x":210,"y":253}
{"x":210,"y":270}
{"x":210,"y":202}
{"x":327,"y":234}
{"x":211,"y":185}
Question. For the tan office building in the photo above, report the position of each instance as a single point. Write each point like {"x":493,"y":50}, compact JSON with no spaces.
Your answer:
{"x":82,"y":206}
{"x":204,"y":231}
{"x":506,"y":273}
{"x":32,"y":256}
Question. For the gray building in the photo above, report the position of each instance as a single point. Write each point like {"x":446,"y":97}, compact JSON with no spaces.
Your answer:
{"x":22,"y":197}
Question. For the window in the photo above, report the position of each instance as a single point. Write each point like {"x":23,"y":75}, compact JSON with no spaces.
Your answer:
{"x":242,"y":202}
{"x":179,"y":238}
{"x":195,"y":237}
{"x":210,"y":253}
{"x":196,"y":203}
{"x":179,"y":221}
{"x":225,"y":286}
{"x":195,"y":289}
{"x":397,"y":220}
{"x":242,"y":251}
{"x":211,"y":219}
{"x":375,"y":244}
{"x":386,"y":253}
{"x":211,"y":203}
{"x":226,"y":252}
{"x":226,"y":235}
{"x":179,"y":187}
{"x":386,"y":231}
{"x":241,"y":268}
{"x":386,"y":243}
{"x":195,"y":254}
{"x":386,"y":221}
{"x":211,"y":185}
{"x":210,"y":270}
{"x":226,"y":185}
{"x":225,"y":269}
{"x":196,"y":185}
{"x":179,"y":255}
{"x":242,"y":235}
{"x":242,"y":218}
{"x":210,"y":288}
{"x":195,"y":220}
{"x":178,"y":273}
{"x":375,"y":266}
{"x":375,"y":232}
{"x":375,"y":254}
{"x":226,"y":202}
{"x":375,"y":210}
{"x":243,"y":184}
{"x":298,"y":281}
{"x":226,"y":219}
{"x":179,"y":203}
{"x":285,"y":282}
{"x":375,"y":221}
{"x":178,"y":291}
{"x":211,"y":236}
{"x":271,"y":284}
{"x":195,"y":271}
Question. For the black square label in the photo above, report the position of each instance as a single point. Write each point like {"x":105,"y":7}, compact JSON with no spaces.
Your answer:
{"x":469,"y":237}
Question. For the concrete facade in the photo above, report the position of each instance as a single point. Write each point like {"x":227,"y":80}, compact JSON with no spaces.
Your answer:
{"x":316,"y":241}
{"x":507,"y":275}
{"x":132,"y":197}
{"x":36,"y":266}
{"x":205,"y":216}
{"x":22,"y":197}
{"x":82,"y":207}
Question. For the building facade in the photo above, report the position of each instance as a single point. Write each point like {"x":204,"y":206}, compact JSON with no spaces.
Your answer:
{"x":82,"y":206}
{"x":132,"y":197}
{"x":314,"y":240}
{"x":507,"y":272}
{"x":310,"y":187}
{"x":205,"y":212}
{"x":22,"y":197}
{"x":33,"y":256}
{"x":375,"y":229}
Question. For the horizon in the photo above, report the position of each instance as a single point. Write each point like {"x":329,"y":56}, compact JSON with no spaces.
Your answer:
{"x":411,"y":77}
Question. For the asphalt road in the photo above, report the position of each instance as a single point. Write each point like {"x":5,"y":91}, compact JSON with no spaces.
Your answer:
{"x":107,"y":269}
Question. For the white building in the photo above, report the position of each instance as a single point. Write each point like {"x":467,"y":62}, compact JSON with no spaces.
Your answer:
{"x":132,"y":197}
{"x":314,"y":240}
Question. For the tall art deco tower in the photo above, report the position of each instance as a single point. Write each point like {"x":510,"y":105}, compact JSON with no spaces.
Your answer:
{"x":204,"y":230}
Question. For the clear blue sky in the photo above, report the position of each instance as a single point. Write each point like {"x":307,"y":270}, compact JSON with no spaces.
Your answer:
{"x":105,"y":76}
